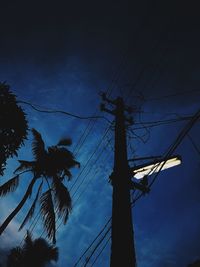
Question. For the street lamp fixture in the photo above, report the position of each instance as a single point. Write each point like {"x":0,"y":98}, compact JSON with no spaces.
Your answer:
{"x":141,"y":171}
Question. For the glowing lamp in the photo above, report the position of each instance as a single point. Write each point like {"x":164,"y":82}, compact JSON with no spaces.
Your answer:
{"x":144,"y":170}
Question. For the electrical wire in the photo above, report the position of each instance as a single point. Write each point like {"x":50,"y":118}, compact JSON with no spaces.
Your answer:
{"x":89,"y":180}
{"x":101,"y":239}
{"x":178,"y":140}
{"x":193,"y":143}
{"x":164,"y":121}
{"x":173,"y":95}
{"x":87,"y":132}
{"x":62,"y":112}
{"x":145,"y":67}
{"x":91,"y":156}
{"x":101,"y":251}
{"x":96,"y":247}
{"x":155,"y":124}
{"x":88,"y":172}
{"x":92,"y":243}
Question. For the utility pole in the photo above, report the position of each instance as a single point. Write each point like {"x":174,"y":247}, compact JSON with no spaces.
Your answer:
{"x":122,"y":237}
{"x":122,"y":247}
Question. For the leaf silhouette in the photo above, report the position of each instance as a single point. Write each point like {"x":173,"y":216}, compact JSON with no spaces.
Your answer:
{"x":14,"y":126}
{"x":38,"y":147}
{"x":68,"y":174}
{"x":65,"y":142}
{"x":47,"y":210}
{"x":33,"y":253}
{"x":62,"y":199}
{"x":25,"y":165}
{"x":10,"y":186}
{"x":32,"y":209}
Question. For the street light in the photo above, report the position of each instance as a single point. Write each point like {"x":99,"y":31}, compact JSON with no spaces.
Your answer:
{"x":147,"y":169}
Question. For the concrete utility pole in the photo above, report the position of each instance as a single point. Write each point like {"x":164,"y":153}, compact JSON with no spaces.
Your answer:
{"x":122,"y":248}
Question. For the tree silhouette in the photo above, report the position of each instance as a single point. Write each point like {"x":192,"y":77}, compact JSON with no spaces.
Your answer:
{"x":34,"y":253}
{"x":13,"y":125}
{"x":51,"y":167}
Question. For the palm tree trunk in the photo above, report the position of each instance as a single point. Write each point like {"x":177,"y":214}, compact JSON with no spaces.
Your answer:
{"x":18,"y":208}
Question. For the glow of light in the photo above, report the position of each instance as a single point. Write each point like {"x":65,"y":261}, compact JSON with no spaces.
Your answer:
{"x":141,"y":171}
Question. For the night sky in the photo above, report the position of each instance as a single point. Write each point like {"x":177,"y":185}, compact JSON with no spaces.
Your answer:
{"x":59,"y":55}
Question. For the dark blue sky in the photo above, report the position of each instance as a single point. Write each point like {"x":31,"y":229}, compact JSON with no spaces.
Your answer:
{"x":60,"y":55}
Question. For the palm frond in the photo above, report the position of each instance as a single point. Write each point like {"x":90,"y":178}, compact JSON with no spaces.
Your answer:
{"x":65,"y":142}
{"x":45,"y":250}
{"x":77,"y":164}
{"x":38,"y":147}
{"x":53,"y":254}
{"x":47,"y":210}
{"x":28,"y":244}
{"x":59,"y":159}
{"x":68,"y":174}
{"x":62,"y":199}
{"x":10,"y":186}
{"x":63,"y":156}
{"x":15,"y":257}
{"x":32,"y":209}
{"x":25,"y":165}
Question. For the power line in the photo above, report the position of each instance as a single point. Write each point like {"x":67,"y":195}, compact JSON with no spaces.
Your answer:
{"x":96,"y":247}
{"x":101,"y":251}
{"x":94,"y":240}
{"x":97,"y":158}
{"x":193,"y":143}
{"x":84,"y":136}
{"x":173,"y":95}
{"x":63,"y":112}
{"x":101,"y":240}
{"x":146,"y":65}
{"x":91,"y":177}
{"x":107,"y":241}
{"x":95,"y":150}
{"x":178,"y":140}
{"x":162,"y":123}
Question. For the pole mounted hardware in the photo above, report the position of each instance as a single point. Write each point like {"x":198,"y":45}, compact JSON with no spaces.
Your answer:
{"x":115,"y":103}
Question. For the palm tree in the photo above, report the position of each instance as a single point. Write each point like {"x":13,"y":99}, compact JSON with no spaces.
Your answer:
{"x":13,"y":125}
{"x":15,"y":258}
{"x":33,"y":253}
{"x":50,"y":166}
